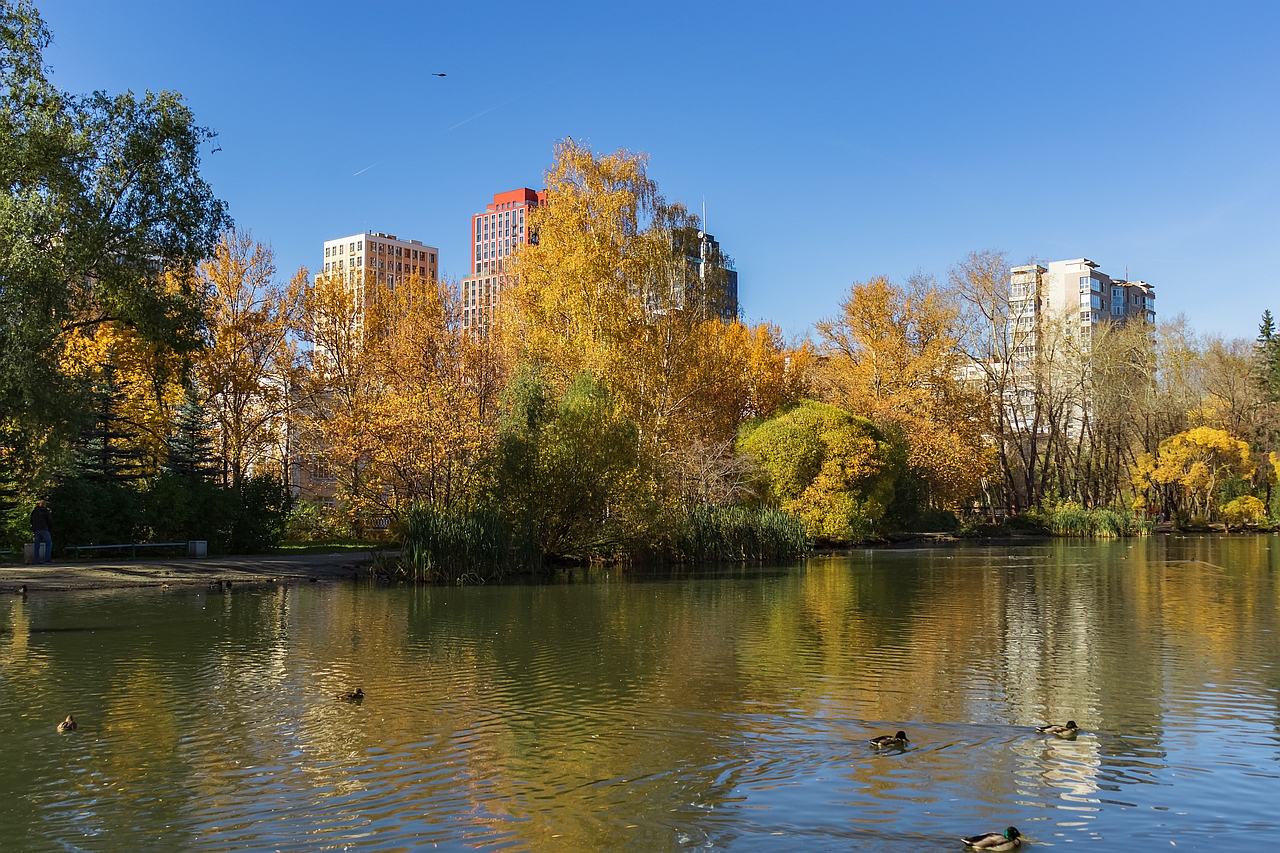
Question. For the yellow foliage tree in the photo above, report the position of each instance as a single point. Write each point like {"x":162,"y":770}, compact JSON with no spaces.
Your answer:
{"x":1245,"y":508}
{"x":433,"y":402}
{"x":1196,"y":461}
{"x":892,"y":355}
{"x":144,"y":380}
{"x":400,"y":402}
{"x":248,"y":371}
{"x":607,"y":289}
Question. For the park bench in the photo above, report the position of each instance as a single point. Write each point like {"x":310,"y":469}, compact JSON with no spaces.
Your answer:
{"x":77,"y":550}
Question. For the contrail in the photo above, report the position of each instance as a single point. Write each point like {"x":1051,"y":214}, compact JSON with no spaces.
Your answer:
{"x":495,"y":106}
{"x":477,"y":115}
{"x":365,"y":169}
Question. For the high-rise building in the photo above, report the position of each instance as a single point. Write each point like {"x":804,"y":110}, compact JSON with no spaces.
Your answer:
{"x":713,"y":283}
{"x":1073,"y":291}
{"x":495,"y":235}
{"x":386,"y":258}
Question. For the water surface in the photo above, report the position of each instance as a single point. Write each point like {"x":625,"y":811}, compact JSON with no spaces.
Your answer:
{"x":724,"y":710}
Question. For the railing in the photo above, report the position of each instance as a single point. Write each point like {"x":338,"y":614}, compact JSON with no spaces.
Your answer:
{"x":132,"y":546}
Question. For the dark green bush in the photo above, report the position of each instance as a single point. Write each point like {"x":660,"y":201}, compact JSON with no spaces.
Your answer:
{"x":170,"y":508}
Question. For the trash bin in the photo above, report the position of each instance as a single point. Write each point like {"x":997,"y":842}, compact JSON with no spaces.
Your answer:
{"x":198,"y":548}
{"x":28,"y":552}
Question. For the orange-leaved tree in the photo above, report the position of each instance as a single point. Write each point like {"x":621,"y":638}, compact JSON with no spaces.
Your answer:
{"x":892,"y":355}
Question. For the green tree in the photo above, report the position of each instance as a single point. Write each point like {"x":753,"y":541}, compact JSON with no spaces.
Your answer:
{"x":567,"y":470}
{"x":99,"y":195}
{"x":831,"y":468}
{"x":1267,"y":353}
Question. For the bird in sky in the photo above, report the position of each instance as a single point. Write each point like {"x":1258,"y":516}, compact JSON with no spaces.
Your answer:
{"x":438,"y":74}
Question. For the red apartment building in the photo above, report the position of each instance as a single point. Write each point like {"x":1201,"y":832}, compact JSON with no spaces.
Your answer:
{"x":495,"y":234}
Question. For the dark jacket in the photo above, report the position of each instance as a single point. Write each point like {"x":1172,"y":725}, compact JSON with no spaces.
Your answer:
{"x":40,"y":518}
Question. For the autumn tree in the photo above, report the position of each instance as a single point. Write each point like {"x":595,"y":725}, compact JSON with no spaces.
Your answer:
{"x":607,"y":289}
{"x":248,"y":370}
{"x":399,"y":400}
{"x":432,"y":402}
{"x":1195,"y":462}
{"x":892,"y":355}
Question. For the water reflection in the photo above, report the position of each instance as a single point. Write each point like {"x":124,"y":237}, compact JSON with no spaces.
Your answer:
{"x":661,"y":711}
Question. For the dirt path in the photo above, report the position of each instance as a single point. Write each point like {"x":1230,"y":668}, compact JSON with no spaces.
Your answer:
{"x":116,"y":574}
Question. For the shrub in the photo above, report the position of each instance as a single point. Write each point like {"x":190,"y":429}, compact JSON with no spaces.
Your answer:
{"x":832,"y":469}
{"x":312,"y":521}
{"x":1071,"y":519}
{"x":1243,"y":509}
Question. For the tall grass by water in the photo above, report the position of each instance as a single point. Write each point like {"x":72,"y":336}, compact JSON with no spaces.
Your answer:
{"x":453,"y":547}
{"x":735,"y":533}
{"x":1072,"y":519}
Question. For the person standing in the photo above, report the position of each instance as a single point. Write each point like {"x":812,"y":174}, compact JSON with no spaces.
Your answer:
{"x":40,"y":520}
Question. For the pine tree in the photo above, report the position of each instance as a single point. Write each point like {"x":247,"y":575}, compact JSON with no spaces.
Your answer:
{"x":1268,"y":356}
{"x":191,"y":442}
{"x":107,"y":450}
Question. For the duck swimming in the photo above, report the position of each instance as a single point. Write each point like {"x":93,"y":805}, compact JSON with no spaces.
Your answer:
{"x":1010,"y":839}
{"x":884,"y":741}
{"x":350,"y":696}
{"x":67,"y":725}
{"x":1069,"y":730}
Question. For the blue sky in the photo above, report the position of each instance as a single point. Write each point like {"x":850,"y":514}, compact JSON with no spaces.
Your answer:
{"x":832,"y":142}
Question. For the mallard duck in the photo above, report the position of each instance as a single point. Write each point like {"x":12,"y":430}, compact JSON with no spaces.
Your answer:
{"x":67,"y":725}
{"x":350,"y":696}
{"x":900,"y":739}
{"x":1069,"y":730}
{"x":1010,"y":839}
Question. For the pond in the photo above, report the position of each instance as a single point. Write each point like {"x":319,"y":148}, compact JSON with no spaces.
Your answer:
{"x":672,"y":710}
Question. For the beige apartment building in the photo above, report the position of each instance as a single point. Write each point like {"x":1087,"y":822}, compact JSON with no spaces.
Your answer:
{"x":368,"y":260}
{"x":388,"y":257}
{"x":1075,"y":291}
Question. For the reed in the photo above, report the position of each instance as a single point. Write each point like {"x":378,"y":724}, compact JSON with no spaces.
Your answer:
{"x":460,"y":547}
{"x":739,"y":534}
{"x":1072,"y":519}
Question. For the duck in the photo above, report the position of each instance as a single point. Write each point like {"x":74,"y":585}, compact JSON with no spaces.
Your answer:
{"x":67,"y":725}
{"x":1010,"y":839}
{"x":1069,"y":730}
{"x":883,"y":741}
{"x":350,"y":696}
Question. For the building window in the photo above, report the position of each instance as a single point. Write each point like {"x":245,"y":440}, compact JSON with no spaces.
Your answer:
{"x":326,"y":251}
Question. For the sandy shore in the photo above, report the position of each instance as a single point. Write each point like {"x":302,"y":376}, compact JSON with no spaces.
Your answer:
{"x":118,"y":574}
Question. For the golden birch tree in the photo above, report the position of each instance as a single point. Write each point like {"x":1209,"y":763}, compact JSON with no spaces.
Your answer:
{"x":249,"y":369}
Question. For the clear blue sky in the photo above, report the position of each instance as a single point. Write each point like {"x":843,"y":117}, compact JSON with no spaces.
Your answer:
{"x":832,"y":142}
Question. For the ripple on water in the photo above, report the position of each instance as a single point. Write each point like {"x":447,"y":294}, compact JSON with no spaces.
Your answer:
{"x":684,"y":712}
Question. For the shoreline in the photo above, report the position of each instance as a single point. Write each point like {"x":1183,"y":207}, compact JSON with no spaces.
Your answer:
{"x":68,"y":576}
